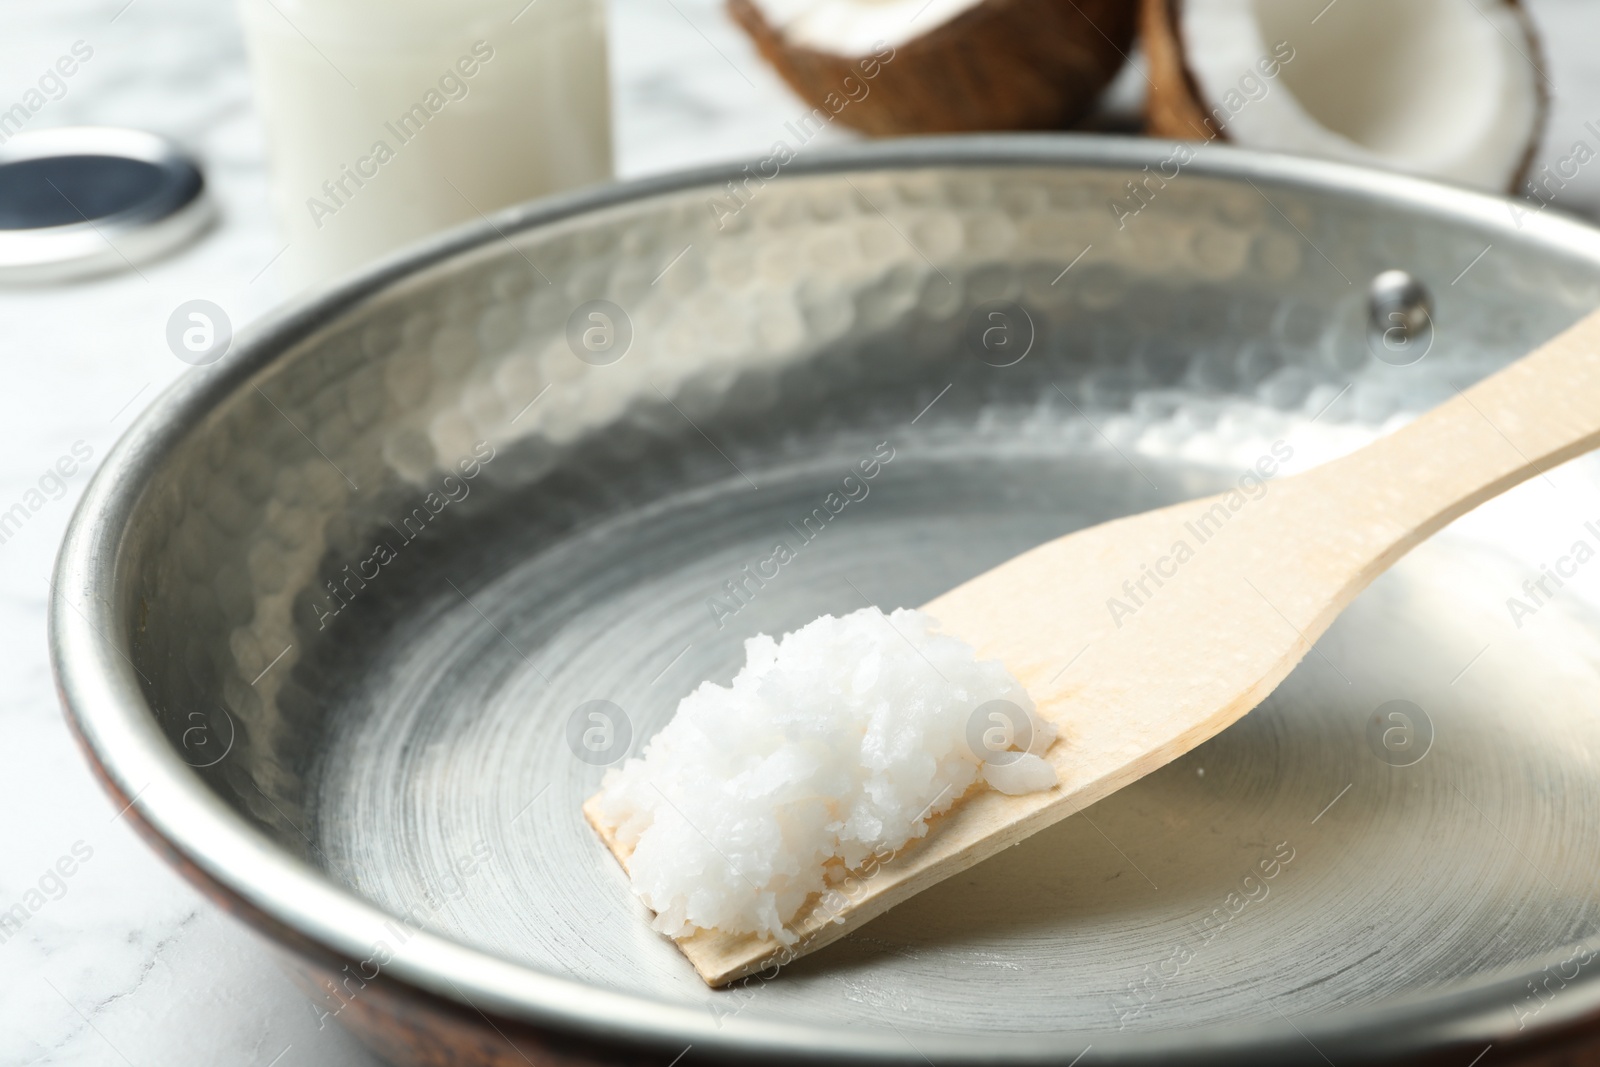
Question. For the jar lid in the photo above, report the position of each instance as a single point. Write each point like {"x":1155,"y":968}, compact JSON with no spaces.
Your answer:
{"x":83,"y":200}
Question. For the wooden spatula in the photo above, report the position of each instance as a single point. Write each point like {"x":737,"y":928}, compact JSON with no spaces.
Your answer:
{"x":1143,"y":637}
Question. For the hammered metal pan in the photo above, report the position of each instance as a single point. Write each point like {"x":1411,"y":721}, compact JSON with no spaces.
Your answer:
{"x":353,"y":620}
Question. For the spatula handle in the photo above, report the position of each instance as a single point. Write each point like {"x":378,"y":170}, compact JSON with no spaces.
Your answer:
{"x":1520,"y":422}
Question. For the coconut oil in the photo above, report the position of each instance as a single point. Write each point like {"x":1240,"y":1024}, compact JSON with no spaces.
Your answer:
{"x":388,"y":120}
{"x":829,"y":752}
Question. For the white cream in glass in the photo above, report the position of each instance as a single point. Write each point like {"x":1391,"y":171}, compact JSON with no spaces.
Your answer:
{"x":388,"y":120}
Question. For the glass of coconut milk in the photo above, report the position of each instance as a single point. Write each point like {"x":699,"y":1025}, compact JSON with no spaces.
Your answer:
{"x":388,"y":120}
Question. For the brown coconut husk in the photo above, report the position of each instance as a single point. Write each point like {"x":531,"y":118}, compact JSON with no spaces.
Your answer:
{"x":1172,"y":105}
{"x":999,"y":65}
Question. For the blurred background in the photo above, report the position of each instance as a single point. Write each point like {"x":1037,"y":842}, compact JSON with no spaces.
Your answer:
{"x":122,"y":962}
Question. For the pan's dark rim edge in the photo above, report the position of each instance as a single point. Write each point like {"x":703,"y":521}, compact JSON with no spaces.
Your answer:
{"x":105,"y":705}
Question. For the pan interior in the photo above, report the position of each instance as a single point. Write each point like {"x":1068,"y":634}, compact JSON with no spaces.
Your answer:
{"x":406,"y":657}
{"x":1297,"y":863}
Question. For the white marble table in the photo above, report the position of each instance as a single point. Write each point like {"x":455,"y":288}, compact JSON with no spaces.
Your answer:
{"x":125,"y":963}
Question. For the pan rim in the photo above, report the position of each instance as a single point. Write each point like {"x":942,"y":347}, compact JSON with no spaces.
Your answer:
{"x":107,"y":711}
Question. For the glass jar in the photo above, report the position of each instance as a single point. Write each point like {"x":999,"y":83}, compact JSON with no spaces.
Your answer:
{"x":388,"y":120}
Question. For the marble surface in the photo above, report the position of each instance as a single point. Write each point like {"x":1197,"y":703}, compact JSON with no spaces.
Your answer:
{"x":123,"y":962}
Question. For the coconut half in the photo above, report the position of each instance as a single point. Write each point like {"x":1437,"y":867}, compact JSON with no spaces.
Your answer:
{"x":1449,"y":89}
{"x":941,"y":66}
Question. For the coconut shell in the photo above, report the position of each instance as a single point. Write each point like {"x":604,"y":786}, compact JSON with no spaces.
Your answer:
{"x":1541,"y":86}
{"x":999,"y":65}
{"x":1172,"y":105}
{"x":1175,"y":108}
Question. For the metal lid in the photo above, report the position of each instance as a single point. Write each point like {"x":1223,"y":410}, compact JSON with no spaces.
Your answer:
{"x":83,"y":200}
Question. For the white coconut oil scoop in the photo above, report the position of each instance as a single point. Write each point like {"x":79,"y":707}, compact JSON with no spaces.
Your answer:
{"x":1227,"y":595}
